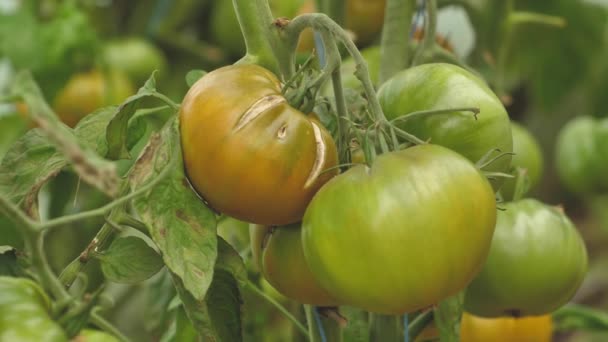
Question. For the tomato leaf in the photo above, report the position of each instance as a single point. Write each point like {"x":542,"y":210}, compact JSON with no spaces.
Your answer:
{"x":159,"y":292}
{"x":573,"y":317}
{"x":447,"y":317}
{"x":129,"y":260}
{"x":194,"y":75}
{"x":218,"y":316}
{"x":117,"y":136}
{"x":180,"y":224}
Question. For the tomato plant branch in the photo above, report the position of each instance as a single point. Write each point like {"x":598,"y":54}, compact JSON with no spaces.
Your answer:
{"x":106,"y":326}
{"x":430,"y":112}
{"x":280,"y":307}
{"x":16,"y":215}
{"x":394,"y":46}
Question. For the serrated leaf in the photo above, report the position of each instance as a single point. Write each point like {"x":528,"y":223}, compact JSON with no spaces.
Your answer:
{"x":194,"y":75}
{"x":129,"y":260}
{"x":116,"y":134}
{"x":218,"y":316}
{"x":180,"y":224}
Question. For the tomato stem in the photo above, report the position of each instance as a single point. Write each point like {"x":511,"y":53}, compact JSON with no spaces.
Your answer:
{"x":394,"y":46}
{"x":264,"y":46}
{"x":333,"y":8}
{"x":419,"y":323}
{"x":106,"y":326}
{"x":522,"y":183}
{"x":430,"y":112}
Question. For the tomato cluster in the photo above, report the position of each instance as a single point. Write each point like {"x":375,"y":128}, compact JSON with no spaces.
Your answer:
{"x":395,"y":234}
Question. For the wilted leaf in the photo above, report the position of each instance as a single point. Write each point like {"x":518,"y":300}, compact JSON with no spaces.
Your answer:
{"x":180,"y":224}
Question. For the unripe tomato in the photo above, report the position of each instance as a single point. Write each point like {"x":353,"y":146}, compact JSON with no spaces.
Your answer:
{"x":536,"y":263}
{"x":281,"y":259}
{"x":506,"y":329}
{"x":443,"y":86}
{"x":25,"y":313}
{"x":581,"y":155}
{"x":135,"y":57}
{"x":400,"y":235}
{"x":86,"y":92}
{"x":365,"y":18}
{"x":528,"y":156}
{"x":247,"y":151}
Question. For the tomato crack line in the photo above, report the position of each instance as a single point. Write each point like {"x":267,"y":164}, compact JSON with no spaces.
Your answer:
{"x":258,"y":108}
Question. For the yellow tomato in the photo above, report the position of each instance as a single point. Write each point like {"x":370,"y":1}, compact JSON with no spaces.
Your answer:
{"x":507,"y":329}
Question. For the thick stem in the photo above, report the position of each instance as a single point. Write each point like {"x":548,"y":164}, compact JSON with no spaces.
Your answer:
{"x":264,"y":45}
{"x":386,"y":328}
{"x":394,"y":46}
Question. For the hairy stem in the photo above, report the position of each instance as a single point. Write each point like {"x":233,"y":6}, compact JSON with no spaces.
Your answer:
{"x":394,"y":45}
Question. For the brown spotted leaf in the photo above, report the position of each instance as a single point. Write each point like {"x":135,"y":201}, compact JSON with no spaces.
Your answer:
{"x":179,"y":222}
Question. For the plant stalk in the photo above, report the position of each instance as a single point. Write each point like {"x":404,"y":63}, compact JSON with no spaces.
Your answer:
{"x":394,"y":45}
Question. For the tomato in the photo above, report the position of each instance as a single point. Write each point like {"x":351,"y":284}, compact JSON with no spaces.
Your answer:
{"x":136,"y":57}
{"x":444,"y":86}
{"x":401,"y":235}
{"x":280,"y":255}
{"x":225,"y":30}
{"x":86,"y":92}
{"x":247,"y":152}
{"x":25,"y":313}
{"x":90,"y":335}
{"x":365,"y":18}
{"x":506,"y":329}
{"x":581,"y":154}
{"x":528,"y":156}
{"x":536,"y":263}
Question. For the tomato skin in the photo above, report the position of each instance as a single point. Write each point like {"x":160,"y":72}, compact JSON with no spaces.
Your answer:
{"x":400,"y":236}
{"x":88,"y":91}
{"x":528,"y":156}
{"x":281,"y":258}
{"x":536,"y":263}
{"x":442,"y":86}
{"x":90,"y":335}
{"x":581,"y":153}
{"x":136,"y":57}
{"x":506,"y":329}
{"x":247,"y":152}
{"x":25,"y":313}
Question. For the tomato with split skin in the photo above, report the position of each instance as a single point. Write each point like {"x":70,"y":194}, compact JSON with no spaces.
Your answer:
{"x":247,"y":152}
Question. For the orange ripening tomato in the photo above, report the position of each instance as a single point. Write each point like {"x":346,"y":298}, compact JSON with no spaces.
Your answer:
{"x":507,"y":329}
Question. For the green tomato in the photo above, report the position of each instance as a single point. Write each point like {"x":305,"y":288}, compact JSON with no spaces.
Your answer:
{"x":537,"y":262}
{"x":581,"y":155}
{"x":136,"y":57}
{"x":444,"y":86}
{"x":25,"y":313}
{"x":403,"y":234}
{"x":279,"y":254}
{"x":90,"y":335}
{"x":528,"y":156}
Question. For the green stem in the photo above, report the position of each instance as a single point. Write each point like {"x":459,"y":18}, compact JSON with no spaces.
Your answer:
{"x":518,"y":18}
{"x":264,"y":45}
{"x":430,"y":112}
{"x":280,"y":307}
{"x":386,"y":328}
{"x":35,"y":245}
{"x":14,"y":214}
{"x":419,"y":323}
{"x":319,"y":21}
{"x":522,"y":183}
{"x":430,"y":30}
{"x":333,"y":8}
{"x":394,"y":46}
{"x":106,"y":326}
